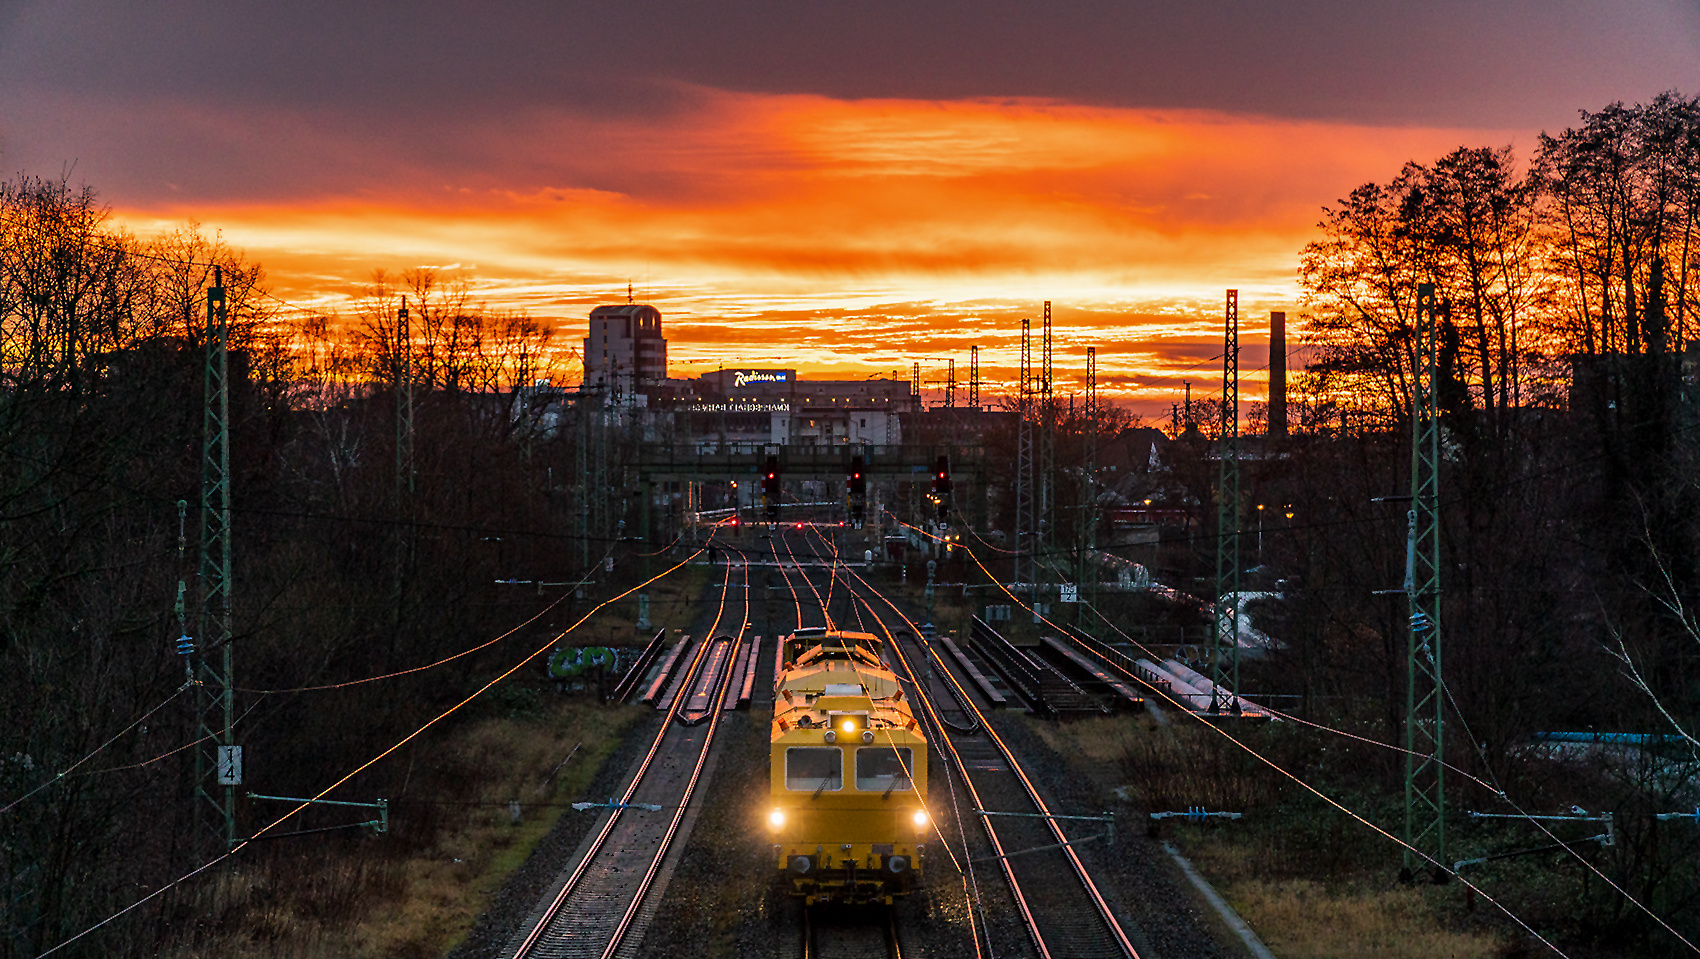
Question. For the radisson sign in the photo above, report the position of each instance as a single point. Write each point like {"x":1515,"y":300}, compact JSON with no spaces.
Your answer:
{"x":743,"y":406}
{"x":746,"y":377}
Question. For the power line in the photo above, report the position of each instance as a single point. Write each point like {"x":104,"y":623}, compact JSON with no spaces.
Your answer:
{"x":1284,"y":772}
{"x":68,"y":769}
{"x":416,"y":669}
{"x":245,"y":842}
{"x":1494,"y":788}
{"x":1277,"y":767}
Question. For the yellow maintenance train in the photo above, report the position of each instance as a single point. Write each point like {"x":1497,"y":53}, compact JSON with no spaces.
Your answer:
{"x":848,"y":772}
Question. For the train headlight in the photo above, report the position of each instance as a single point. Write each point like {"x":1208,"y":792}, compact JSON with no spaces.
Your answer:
{"x":849,"y":726}
{"x":920,"y":817}
{"x":776,"y":818}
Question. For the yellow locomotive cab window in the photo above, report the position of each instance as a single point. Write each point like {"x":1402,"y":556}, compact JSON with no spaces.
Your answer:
{"x":812,"y":768}
{"x":882,"y":768}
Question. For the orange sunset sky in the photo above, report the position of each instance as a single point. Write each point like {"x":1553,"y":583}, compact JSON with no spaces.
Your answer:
{"x":841,"y":191}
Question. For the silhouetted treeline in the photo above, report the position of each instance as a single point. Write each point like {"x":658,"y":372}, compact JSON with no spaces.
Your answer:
{"x":341,"y":571}
{"x":1567,"y":386}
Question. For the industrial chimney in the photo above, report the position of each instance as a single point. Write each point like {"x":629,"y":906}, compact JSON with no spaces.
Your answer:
{"x":1277,"y":373}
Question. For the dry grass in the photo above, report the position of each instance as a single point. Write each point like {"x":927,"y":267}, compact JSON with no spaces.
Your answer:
{"x":1306,"y":880}
{"x":1103,"y":740}
{"x":1299,"y":919}
{"x":1354,"y":913}
{"x":414,"y":896}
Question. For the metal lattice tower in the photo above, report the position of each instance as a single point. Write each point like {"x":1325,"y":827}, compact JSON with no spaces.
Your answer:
{"x":1225,"y":664}
{"x":404,"y":471}
{"x":1024,"y":510}
{"x":599,"y":425}
{"x":950,"y":386}
{"x":403,"y":405}
{"x":973,"y":377}
{"x":1046,"y":467}
{"x":1088,"y":575}
{"x":218,"y":765}
{"x":586,"y":472}
{"x":915,"y":383}
{"x":1425,"y":795}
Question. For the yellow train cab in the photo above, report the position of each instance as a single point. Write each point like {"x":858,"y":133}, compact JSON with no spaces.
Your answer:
{"x":848,"y":773}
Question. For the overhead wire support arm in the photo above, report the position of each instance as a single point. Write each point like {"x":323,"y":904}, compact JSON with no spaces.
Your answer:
{"x":613,"y":804}
{"x":379,"y":825}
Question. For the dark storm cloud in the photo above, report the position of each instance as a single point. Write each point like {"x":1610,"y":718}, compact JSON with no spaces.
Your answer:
{"x":1445,"y":61}
{"x":159,"y":102}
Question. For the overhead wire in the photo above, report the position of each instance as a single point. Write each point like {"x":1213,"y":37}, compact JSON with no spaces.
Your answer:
{"x":965,"y":867}
{"x":551,"y":606}
{"x":263,"y":692}
{"x":244,"y":843}
{"x":170,"y":752}
{"x":1493,"y":787}
{"x":1308,"y":787}
{"x":1284,"y":716}
{"x":447,"y":659}
{"x":96,"y":751}
{"x":997,"y":845}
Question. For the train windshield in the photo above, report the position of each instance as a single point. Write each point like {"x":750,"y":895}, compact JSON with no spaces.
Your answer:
{"x":883,"y":769}
{"x":814,"y":768}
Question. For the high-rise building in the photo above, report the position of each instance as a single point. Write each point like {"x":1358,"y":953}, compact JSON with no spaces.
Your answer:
{"x":625,"y":351}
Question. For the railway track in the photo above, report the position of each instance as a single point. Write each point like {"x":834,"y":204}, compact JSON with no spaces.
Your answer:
{"x":830,"y":932}
{"x":839,"y":934}
{"x":604,"y":905}
{"x":821,"y":603}
{"x":1065,"y":914}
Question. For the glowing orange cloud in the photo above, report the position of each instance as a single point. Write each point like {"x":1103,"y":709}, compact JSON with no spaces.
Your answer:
{"x":835,"y":235}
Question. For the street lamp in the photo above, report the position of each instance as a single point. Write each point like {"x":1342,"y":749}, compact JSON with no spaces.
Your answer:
{"x":1260,"y":534}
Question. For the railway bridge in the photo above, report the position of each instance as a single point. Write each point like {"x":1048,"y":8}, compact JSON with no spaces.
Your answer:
{"x":895,"y":463}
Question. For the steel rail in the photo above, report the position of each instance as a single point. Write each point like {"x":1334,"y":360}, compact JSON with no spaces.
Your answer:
{"x":690,"y":787}
{"x":600,"y":841}
{"x":854,"y":599}
{"x":943,"y":740}
{"x":826,"y":614}
{"x":1094,"y":894}
{"x":796,"y":598}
